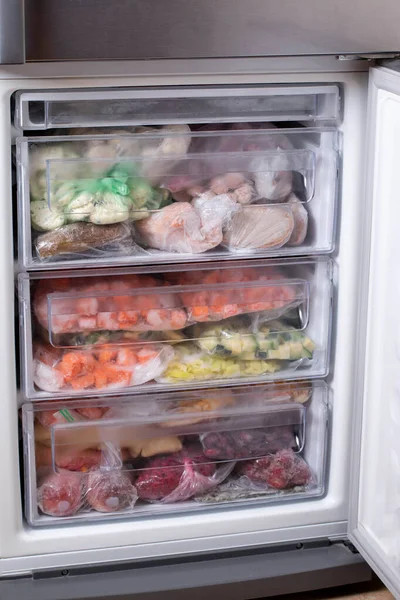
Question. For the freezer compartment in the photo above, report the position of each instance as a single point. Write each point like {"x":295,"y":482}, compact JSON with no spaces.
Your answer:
{"x":175,"y":194}
{"x":225,"y":323}
{"x":150,"y":455}
{"x":111,"y":107}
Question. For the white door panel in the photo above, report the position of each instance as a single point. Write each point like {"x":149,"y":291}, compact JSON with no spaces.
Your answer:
{"x":375,"y":507}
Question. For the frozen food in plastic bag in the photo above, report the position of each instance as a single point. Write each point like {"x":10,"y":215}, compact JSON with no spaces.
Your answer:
{"x":247,"y":443}
{"x":221,"y":302}
{"x":100,"y":303}
{"x":273,"y":176}
{"x":268,"y":226}
{"x":105,"y":368}
{"x":211,"y":401}
{"x":81,"y":238}
{"x":300,"y":216}
{"x":39,"y":155}
{"x":187,"y":228}
{"x":240,"y":337}
{"x":110,"y":491}
{"x":192,"y":364}
{"x":147,"y":447}
{"x":270,"y":172}
{"x":68,"y":415}
{"x":180,"y":476}
{"x":61,"y":494}
{"x":283,"y":392}
{"x":283,"y":470}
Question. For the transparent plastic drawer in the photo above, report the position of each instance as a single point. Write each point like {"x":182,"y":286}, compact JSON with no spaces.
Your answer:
{"x":227,"y":323}
{"x":90,"y":460}
{"x":47,"y":109}
{"x":176,"y":196}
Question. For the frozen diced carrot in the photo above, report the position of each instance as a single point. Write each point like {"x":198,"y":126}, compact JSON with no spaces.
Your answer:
{"x":126,"y":357}
{"x":83,"y":382}
{"x":107,"y":355}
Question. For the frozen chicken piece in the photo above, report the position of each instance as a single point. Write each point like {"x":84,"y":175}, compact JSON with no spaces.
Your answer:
{"x":187,"y":228}
{"x":61,"y":494}
{"x":254,"y":227}
{"x":110,"y":491}
{"x":216,"y":304}
{"x":99,"y":304}
{"x":273,"y":177}
{"x":300,"y":216}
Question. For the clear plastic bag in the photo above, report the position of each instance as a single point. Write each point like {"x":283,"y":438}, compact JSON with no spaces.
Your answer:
{"x":60,"y":494}
{"x":179,"y":477}
{"x":254,"y":227}
{"x":87,"y":240}
{"x":222,"y":300}
{"x":281,"y":471}
{"x":191,"y":364}
{"x":100,"y":303}
{"x":268,"y":177}
{"x":246,"y":443}
{"x":187,"y":227}
{"x":109,"y":488}
{"x":110,"y":491}
{"x":246,"y":339}
{"x":105,"y":368}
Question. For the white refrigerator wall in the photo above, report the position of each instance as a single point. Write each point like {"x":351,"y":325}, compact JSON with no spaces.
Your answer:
{"x":23,"y":549}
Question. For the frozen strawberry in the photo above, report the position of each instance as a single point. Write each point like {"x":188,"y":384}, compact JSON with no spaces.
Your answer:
{"x":281,"y":471}
{"x":255,"y":470}
{"x":302,"y":472}
{"x":61,"y":494}
{"x":160,"y":478}
{"x":277,"y":476}
{"x":110,"y":491}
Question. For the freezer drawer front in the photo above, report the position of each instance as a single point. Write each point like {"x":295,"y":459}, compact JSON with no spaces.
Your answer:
{"x":238,"y":576}
{"x":294,"y":296}
{"x":132,"y":29}
{"x":375,"y":516}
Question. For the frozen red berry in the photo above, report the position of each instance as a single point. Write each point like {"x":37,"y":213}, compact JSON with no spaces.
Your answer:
{"x":177,"y":474}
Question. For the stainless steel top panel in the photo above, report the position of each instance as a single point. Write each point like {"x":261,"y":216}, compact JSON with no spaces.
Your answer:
{"x":60,"y":30}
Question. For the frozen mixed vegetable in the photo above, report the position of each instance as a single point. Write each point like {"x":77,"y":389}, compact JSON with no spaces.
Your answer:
{"x":241,"y":338}
{"x":191,"y":364}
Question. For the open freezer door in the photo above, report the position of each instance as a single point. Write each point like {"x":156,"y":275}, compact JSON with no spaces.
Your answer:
{"x":374,"y":523}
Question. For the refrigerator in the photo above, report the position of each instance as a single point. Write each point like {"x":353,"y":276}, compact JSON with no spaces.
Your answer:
{"x":199,"y":258}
